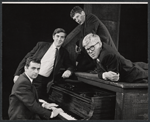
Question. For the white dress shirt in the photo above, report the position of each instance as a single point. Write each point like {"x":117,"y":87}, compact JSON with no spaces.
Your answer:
{"x":47,"y":62}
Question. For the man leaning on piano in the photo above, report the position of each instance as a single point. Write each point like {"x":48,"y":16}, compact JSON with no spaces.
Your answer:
{"x":25,"y":101}
{"x":111,"y":65}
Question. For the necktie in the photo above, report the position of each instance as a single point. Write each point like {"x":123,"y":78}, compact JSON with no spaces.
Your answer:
{"x":100,"y":65}
{"x":55,"y":62}
{"x":56,"y":57}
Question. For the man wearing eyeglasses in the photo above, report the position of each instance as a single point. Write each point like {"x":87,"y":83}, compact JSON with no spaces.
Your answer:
{"x":111,"y":64}
{"x":88,"y":23}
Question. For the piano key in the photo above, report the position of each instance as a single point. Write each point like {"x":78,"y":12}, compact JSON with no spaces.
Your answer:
{"x":66,"y":116}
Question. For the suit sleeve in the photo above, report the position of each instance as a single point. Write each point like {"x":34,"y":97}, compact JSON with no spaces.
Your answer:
{"x":96,"y":26}
{"x":92,"y":24}
{"x":20,"y":68}
{"x":25,"y":94}
{"x":68,"y":63}
{"x":109,"y":63}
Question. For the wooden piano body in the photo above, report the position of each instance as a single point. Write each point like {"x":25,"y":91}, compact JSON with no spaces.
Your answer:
{"x":94,"y":99}
{"x":131,"y":98}
{"x":83,"y":101}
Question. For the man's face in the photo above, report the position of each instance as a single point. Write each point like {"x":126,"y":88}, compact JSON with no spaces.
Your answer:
{"x":59,"y":39}
{"x":93,"y":49}
{"x":32,"y":70}
{"x":79,"y":18}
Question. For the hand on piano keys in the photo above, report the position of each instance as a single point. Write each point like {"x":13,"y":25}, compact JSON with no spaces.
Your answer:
{"x":56,"y":111}
{"x":47,"y":105}
{"x":62,"y":114}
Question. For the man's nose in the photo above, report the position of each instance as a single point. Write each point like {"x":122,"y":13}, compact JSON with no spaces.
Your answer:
{"x":59,"y":38}
{"x":90,"y":51}
{"x":77,"y":20}
{"x":36,"y":71}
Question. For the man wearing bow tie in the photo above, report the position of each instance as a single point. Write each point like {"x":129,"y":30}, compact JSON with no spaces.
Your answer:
{"x":52,"y":56}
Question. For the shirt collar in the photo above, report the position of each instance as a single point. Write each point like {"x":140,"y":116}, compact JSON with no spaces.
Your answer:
{"x":55,"y":46}
{"x":29,"y":77}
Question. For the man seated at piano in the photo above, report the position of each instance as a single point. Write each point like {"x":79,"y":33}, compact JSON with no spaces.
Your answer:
{"x":24,"y":103}
{"x":53,"y":57}
{"x":111,"y":65}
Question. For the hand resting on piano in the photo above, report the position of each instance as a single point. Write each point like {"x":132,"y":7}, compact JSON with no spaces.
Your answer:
{"x":55,"y":111}
{"x":51,"y":106}
{"x":64,"y":115}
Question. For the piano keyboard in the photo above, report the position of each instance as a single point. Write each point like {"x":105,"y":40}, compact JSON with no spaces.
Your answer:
{"x":90,"y":103}
{"x":67,"y":117}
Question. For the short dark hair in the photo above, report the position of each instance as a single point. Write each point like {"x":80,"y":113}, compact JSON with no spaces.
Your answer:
{"x":32,"y":59}
{"x":75,"y":10}
{"x":58,"y":30}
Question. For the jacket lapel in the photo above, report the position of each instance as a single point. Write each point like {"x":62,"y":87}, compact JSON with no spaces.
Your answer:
{"x":45,"y":48}
{"x":35,"y":91}
{"x":99,"y":59}
{"x":32,"y":86}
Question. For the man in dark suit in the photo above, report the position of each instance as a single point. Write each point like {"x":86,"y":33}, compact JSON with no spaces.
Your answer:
{"x":53,"y":56}
{"x":111,"y":64}
{"x":88,"y":23}
{"x":23,"y":101}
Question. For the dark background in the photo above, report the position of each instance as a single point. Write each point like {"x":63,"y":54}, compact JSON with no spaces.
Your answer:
{"x":25,"y":25}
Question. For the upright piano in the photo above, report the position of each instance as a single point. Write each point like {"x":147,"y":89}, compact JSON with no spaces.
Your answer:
{"x":89,"y":98}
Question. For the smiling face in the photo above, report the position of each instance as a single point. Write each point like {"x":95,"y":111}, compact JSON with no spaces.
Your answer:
{"x":79,"y":17}
{"x":59,"y":39}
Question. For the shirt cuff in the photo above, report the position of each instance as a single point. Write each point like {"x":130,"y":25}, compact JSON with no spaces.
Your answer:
{"x":103,"y":76}
{"x":51,"y":115}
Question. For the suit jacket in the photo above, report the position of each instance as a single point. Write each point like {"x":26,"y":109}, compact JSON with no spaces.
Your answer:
{"x":23,"y":101}
{"x":92,"y":24}
{"x":38,"y":52}
{"x":112,"y":60}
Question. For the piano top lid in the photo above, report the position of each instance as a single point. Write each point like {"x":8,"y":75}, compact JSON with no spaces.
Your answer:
{"x":94,"y":78}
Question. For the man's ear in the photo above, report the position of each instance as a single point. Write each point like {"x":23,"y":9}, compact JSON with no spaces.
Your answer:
{"x":53,"y":37}
{"x":25,"y":67}
{"x":82,"y":13}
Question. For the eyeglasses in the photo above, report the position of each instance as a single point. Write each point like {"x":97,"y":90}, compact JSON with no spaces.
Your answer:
{"x":91,"y":48}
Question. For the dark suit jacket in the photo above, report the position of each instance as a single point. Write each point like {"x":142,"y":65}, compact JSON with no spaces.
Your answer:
{"x":39,"y":50}
{"x":92,"y":24}
{"x":23,"y":101}
{"x":112,"y":60}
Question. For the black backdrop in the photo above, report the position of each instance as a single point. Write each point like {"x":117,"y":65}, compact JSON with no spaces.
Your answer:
{"x":24,"y":25}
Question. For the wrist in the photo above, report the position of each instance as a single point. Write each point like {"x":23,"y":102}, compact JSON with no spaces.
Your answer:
{"x":52,"y":115}
{"x":44,"y":104}
{"x":104,"y":76}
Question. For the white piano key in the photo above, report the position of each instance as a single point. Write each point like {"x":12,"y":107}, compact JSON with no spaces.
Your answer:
{"x":67,"y":117}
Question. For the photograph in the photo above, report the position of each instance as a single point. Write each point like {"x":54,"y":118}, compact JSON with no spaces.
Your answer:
{"x":74,"y":61}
